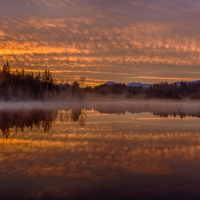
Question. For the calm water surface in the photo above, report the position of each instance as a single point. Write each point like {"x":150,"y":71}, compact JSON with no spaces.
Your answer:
{"x":100,"y":151}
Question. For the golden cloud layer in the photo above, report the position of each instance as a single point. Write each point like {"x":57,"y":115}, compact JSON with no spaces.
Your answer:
{"x":103,"y":37}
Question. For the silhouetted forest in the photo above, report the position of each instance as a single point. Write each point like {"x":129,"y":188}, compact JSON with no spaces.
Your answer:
{"x":19,"y":85}
{"x":162,"y":90}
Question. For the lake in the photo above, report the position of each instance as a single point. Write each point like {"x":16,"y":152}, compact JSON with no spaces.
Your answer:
{"x":100,"y":150}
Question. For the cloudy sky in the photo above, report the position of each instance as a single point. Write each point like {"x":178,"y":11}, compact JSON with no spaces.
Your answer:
{"x":120,"y":40}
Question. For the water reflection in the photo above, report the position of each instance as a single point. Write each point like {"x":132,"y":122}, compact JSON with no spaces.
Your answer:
{"x":92,"y":153}
{"x":37,"y":118}
{"x":44,"y":118}
{"x":26,"y":118}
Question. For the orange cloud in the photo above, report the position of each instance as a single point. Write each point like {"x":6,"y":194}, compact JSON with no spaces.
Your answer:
{"x":103,"y":37}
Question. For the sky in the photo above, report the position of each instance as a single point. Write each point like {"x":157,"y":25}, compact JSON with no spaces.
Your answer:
{"x":103,"y":40}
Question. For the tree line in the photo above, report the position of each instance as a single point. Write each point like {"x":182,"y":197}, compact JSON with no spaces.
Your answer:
{"x":162,"y":90}
{"x":20,"y":85}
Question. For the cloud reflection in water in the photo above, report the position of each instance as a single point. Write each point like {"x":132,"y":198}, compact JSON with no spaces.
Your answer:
{"x":102,"y":158}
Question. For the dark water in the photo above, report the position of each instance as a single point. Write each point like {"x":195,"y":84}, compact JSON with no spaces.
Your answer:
{"x":138,"y":150}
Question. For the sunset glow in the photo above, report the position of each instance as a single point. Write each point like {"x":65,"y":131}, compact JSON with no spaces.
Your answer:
{"x":123,"y":41}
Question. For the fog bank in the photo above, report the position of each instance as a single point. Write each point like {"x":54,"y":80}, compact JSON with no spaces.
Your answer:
{"x":170,"y":107}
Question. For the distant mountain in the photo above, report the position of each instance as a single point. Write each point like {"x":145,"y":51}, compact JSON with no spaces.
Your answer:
{"x":196,"y":81}
{"x":133,"y":84}
{"x":179,"y":83}
{"x":110,"y":83}
{"x":66,"y":85}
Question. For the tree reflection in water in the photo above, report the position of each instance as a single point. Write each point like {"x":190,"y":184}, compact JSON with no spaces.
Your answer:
{"x":79,"y":115}
{"x":44,"y":118}
{"x":38,"y":118}
{"x":19,"y":119}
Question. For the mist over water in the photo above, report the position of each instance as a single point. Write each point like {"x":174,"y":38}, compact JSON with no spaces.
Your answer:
{"x":173,"y":108}
{"x":100,"y":150}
